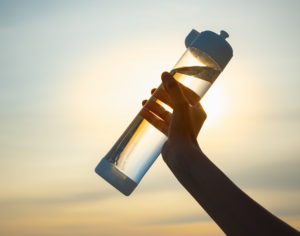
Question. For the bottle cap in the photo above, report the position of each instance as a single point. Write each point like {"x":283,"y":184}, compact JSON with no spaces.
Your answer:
{"x":212,"y":44}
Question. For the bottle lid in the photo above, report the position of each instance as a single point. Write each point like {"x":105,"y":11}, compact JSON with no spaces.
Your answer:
{"x":214,"y":45}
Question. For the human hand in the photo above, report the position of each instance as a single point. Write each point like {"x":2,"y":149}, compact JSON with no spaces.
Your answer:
{"x":183,"y":125}
{"x":233,"y":210}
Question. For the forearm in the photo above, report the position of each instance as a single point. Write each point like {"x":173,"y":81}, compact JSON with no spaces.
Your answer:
{"x":234,"y":211}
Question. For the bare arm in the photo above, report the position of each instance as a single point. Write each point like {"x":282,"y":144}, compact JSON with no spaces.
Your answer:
{"x":234,"y":211}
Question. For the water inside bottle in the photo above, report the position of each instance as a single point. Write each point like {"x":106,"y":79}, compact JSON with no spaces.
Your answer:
{"x":197,"y":78}
{"x":141,"y":143}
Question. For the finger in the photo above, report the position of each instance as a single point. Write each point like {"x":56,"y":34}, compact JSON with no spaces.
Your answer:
{"x":161,"y":94}
{"x":153,"y":90}
{"x":173,"y":89}
{"x":159,"y":110}
{"x":200,"y":114}
{"x":181,"y":128}
{"x":191,"y":96}
{"x":155,"y":121}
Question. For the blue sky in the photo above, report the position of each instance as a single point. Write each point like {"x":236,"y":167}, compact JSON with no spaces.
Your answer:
{"x":73,"y":75}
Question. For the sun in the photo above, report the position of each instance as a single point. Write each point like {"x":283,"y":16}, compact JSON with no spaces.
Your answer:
{"x":215,"y":104}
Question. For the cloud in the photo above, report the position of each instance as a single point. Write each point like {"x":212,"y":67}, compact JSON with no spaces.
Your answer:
{"x":181,"y":219}
{"x":284,"y":174}
{"x":69,"y":198}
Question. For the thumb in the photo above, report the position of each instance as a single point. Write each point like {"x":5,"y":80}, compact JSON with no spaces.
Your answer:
{"x":173,"y":89}
{"x":181,"y":126}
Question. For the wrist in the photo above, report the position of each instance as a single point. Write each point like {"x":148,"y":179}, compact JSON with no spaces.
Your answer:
{"x":181,"y":157}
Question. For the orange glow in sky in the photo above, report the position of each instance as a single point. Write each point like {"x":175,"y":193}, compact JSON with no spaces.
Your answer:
{"x":73,"y":76}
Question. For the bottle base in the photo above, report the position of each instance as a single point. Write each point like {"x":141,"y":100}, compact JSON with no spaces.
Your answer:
{"x":115,"y":177}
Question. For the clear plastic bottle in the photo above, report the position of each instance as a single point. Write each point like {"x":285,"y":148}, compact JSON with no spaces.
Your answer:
{"x":138,"y":147}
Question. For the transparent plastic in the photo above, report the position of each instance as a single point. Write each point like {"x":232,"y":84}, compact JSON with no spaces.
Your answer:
{"x":138,"y":147}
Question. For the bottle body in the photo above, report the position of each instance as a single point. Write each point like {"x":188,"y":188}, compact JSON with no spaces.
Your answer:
{"x":141,"y":143}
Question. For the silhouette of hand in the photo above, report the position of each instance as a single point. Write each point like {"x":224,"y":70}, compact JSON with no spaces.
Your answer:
{"x":183,"y":125}
{"x":233,"y":210}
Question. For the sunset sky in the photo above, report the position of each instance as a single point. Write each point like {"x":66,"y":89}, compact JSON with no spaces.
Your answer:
{"x":72,"y":77}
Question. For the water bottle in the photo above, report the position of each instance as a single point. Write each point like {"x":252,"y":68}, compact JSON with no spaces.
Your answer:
{"x":132,"y":155}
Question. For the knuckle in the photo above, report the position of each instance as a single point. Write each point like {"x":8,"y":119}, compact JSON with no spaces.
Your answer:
{"x":183,"y":104}
{"x":204,"y":115}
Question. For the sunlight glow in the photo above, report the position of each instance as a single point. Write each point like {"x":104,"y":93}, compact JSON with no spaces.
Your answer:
{"x":73,"y":77}
{"x":215,"y":104}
